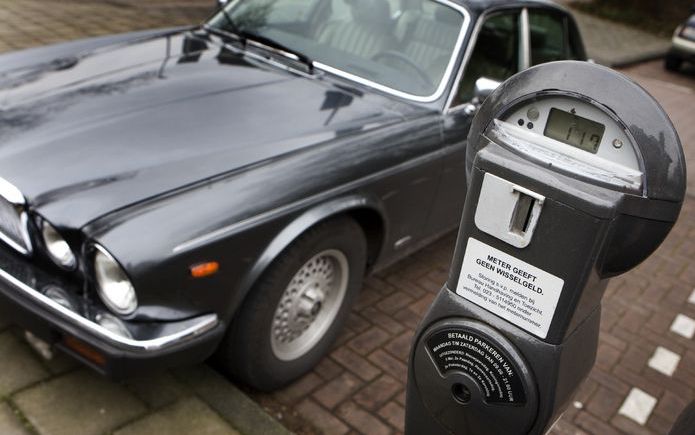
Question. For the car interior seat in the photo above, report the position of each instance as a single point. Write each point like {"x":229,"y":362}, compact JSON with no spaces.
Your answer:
{"x":427,"y":39}
{"x":367,"y":34}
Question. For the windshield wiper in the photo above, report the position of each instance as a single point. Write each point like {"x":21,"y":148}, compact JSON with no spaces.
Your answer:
{"x":276,"y":47}
{"x":261,"y":41}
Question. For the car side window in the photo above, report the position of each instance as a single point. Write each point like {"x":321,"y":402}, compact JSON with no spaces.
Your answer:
{"x":548,"y":34}
{"x":496,"y":54}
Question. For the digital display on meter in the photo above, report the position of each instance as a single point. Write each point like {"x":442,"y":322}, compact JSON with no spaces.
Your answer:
{"x":574,"y":130}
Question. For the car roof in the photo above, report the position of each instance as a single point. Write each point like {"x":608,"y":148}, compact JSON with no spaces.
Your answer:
{"x":480,"y":6}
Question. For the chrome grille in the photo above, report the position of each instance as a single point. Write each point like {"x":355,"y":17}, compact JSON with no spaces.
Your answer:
{"x":13,"y":221}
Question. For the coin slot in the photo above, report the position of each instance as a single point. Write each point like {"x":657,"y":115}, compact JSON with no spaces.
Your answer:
{"x":521,"y":218}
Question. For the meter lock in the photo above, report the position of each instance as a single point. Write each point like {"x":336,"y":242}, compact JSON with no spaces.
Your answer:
{"x":508,"y":211}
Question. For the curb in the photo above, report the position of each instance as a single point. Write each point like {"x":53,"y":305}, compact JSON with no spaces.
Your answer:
{"x":632,"y":60}
{"x":229,"y":402}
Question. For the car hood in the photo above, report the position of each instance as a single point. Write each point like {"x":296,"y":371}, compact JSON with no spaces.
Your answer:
{"x":86,"y":135}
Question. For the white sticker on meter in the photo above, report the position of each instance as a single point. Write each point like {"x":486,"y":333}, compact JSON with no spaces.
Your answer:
{"x":508,"y":287}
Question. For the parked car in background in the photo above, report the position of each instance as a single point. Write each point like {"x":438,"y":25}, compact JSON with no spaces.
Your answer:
{"x":682,"y":45}
{"x":223,"y":189}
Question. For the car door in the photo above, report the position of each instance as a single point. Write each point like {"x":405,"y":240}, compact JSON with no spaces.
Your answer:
{"x":503,"y":43}
{"x":496,"y":53}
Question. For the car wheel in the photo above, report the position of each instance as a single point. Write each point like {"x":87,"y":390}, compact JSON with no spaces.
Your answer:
{"x":672,"y":63}
{"x":294,"y":313}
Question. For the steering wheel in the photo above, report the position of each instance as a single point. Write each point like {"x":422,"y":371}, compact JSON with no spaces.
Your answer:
{"x":391,"y":54}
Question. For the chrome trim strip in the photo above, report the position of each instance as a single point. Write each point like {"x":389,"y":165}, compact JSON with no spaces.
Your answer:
{"x":447,"y":73}
{"x":11,"y":193}
{"x":525,"y":41}
{"x":14,"y":196}
{"x":278,"y":51}
{"x":206,"y":322}
{"x":464,"y":65}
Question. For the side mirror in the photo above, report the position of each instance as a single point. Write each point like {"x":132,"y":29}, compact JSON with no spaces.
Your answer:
{"x":484,"y":87}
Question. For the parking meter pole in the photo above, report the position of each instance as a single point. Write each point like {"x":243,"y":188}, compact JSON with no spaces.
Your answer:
{"x":575,"y":175}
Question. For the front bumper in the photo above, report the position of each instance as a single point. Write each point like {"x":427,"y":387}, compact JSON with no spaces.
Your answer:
{"x":51,"y":309}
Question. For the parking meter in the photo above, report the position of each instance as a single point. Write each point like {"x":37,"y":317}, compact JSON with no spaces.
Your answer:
{"x":575,"y":175}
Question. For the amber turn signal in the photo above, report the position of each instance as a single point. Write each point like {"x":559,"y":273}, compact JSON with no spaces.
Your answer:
{"x":205,"y":269}
{"x":83,"y":349}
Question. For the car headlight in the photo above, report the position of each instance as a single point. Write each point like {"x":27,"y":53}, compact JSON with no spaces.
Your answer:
{"x":57,"y":248}
{"x":113,"y":285}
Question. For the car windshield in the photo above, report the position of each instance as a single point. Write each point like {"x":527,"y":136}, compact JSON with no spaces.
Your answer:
{"x":403,"y":47}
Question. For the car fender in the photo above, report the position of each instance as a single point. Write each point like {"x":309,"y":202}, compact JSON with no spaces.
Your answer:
{"x":300,"y":225}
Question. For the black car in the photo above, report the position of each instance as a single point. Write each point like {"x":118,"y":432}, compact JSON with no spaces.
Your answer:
{"x":169,"y":195}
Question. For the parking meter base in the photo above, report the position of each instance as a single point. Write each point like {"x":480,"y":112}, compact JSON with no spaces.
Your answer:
{"x":513,"y":383}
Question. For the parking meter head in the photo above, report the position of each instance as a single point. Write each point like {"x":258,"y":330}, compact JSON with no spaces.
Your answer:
{"x":593,"y":129}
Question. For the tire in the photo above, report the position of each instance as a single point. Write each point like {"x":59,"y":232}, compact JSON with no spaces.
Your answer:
{"x":672,"y":63}
{"x":265,"y":353}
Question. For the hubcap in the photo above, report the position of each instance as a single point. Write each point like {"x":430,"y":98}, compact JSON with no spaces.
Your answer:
{"x":309,"y":304}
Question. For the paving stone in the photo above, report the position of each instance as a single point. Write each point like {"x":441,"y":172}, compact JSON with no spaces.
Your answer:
{"x":18,"y":366}
{"x":604,"y":403}
{"x":395,"y":302}
{"x":328,"y":369}
{"x":10,"y":424}
{"x":671,"y":405}
{"x":563,"y":427}
{"x":321,"y":419}
{"x":369,"y":340}
{"x":377,"y":393}
{"x":300,"y":388}
{"x":78,"y":403}
{"x":395,"y":367}
{"x":638,"y":406}
{"x":628,"y":426}
{"x":594,"y":425}
{"x":683,"y":326}
{"x":228,"y":401}
{"x":664,"y":361}
{"x":355,"y":363}
{"x":400,"y":346}
{"x":187,"y":416}
{"x":61,"y":363}
{"x":659,"y":424}
{"x":362,"y":421}
{"x":634,"y":358}
{"x":337,"y":390}
{"x":394,"y":413}
{"x":607,"y":356}
{"x":156,"y":389}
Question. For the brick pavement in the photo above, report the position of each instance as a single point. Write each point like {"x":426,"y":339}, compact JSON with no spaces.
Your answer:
{"x":359,"y":387}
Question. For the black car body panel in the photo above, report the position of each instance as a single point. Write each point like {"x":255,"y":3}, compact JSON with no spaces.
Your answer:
{"x":172,"y":148}
{"x":139,"y":120}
